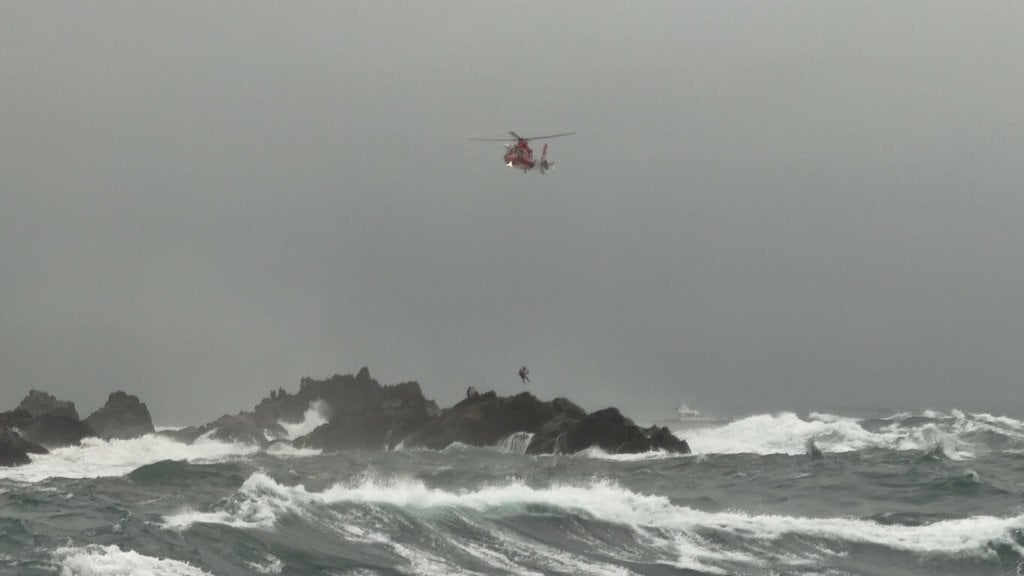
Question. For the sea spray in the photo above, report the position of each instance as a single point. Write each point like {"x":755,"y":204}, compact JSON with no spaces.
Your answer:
{"x":96,"y":458}
{"x":787,"y":433}
{"x":316,"y":415}
{"x":515,"y":443}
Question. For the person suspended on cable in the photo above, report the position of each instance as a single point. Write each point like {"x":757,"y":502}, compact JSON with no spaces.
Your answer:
{"x":524,"y":375}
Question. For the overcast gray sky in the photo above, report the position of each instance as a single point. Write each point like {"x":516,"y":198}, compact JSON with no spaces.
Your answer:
{"x":768,"y":205}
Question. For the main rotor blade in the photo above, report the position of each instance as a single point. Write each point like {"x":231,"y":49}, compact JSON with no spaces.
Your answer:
{"x":549,"y":136}
{"x":517,"y":137}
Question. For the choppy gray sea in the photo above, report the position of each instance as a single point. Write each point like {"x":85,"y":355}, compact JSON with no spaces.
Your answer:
{"x":912,"y":493}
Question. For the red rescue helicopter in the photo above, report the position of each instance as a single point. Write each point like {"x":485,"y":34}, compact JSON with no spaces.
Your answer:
{"x":518,"y":153}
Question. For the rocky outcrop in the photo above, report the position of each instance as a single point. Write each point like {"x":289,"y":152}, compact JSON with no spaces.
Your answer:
{"x":558,"y":426}
{"x":123,"y":416}
{"x":241,"y":427}
{"x":364,"y":415}
{"x":14,"y":418}
{"x":361,"y":414}
{"x":39,"y":403}
{"x":42,"y":419}
{"x":610,"y":431}
{"x":14,"y":449}
{"x":487,"y":418}
{"x":56,"y":431}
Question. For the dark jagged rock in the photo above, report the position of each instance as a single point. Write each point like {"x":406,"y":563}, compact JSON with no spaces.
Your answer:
{"x":54,"y":431}
{"x":241,"y":427}
{"x":39,"y":403}
{"x":14,"y":449}
{"x":558,"y":426}
{"x":42,"y":419}
{"x":123,"y":416}
{"x":14,"y":419}
{"x":609,"y":430}
{"x":487,"y":418}
{"x":368,"y":416}
{"x":365,"y":414}
{"x":663,"y":439}
{"x":547,"y":439}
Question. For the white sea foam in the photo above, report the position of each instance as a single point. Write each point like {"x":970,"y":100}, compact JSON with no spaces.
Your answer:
{"x":273,"y":565}
{"x":96,"y":458}
{"x":456,"y":447}
{"x":787,"y":433}
{"x":261,"y":502}
{"x":598,"y":453}
{"x":515,"y":443}
{"x":317,"y":414}
{"x":284,"y":450}
{"x":96,"y":560}
{"x":784,"y":433}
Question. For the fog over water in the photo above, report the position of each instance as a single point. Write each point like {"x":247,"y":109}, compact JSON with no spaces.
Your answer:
{"x":767,"y":206}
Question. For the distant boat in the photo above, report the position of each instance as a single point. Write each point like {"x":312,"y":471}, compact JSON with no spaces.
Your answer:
{"x":692,"y":415}
{"x":687,"y":413}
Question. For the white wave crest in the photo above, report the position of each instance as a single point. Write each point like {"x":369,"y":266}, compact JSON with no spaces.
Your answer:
{"x":96,"y":458}
{"x":96,"y":560}
{"x":787,"y":433}
{"x":784,"y":433}
{"x":273,"y":566}
{"x":261,"y":501}
{"x":599,"y":454}
{"x":317,"y":414}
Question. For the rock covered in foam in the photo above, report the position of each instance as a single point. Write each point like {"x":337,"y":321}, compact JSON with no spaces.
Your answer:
{"x":123,"y":416}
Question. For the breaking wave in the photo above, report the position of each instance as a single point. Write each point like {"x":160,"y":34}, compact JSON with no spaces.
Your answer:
{"x":957,"y":435}
{"x":95,"y":458}
{"x":679,"y":535}
{"x":96,"y":560}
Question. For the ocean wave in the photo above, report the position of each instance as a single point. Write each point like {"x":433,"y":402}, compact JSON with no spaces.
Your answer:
{"x":957,"y":435}
{"x":698,"y":539}
{"x":95,"y":458}
{"x":96,"y":560}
